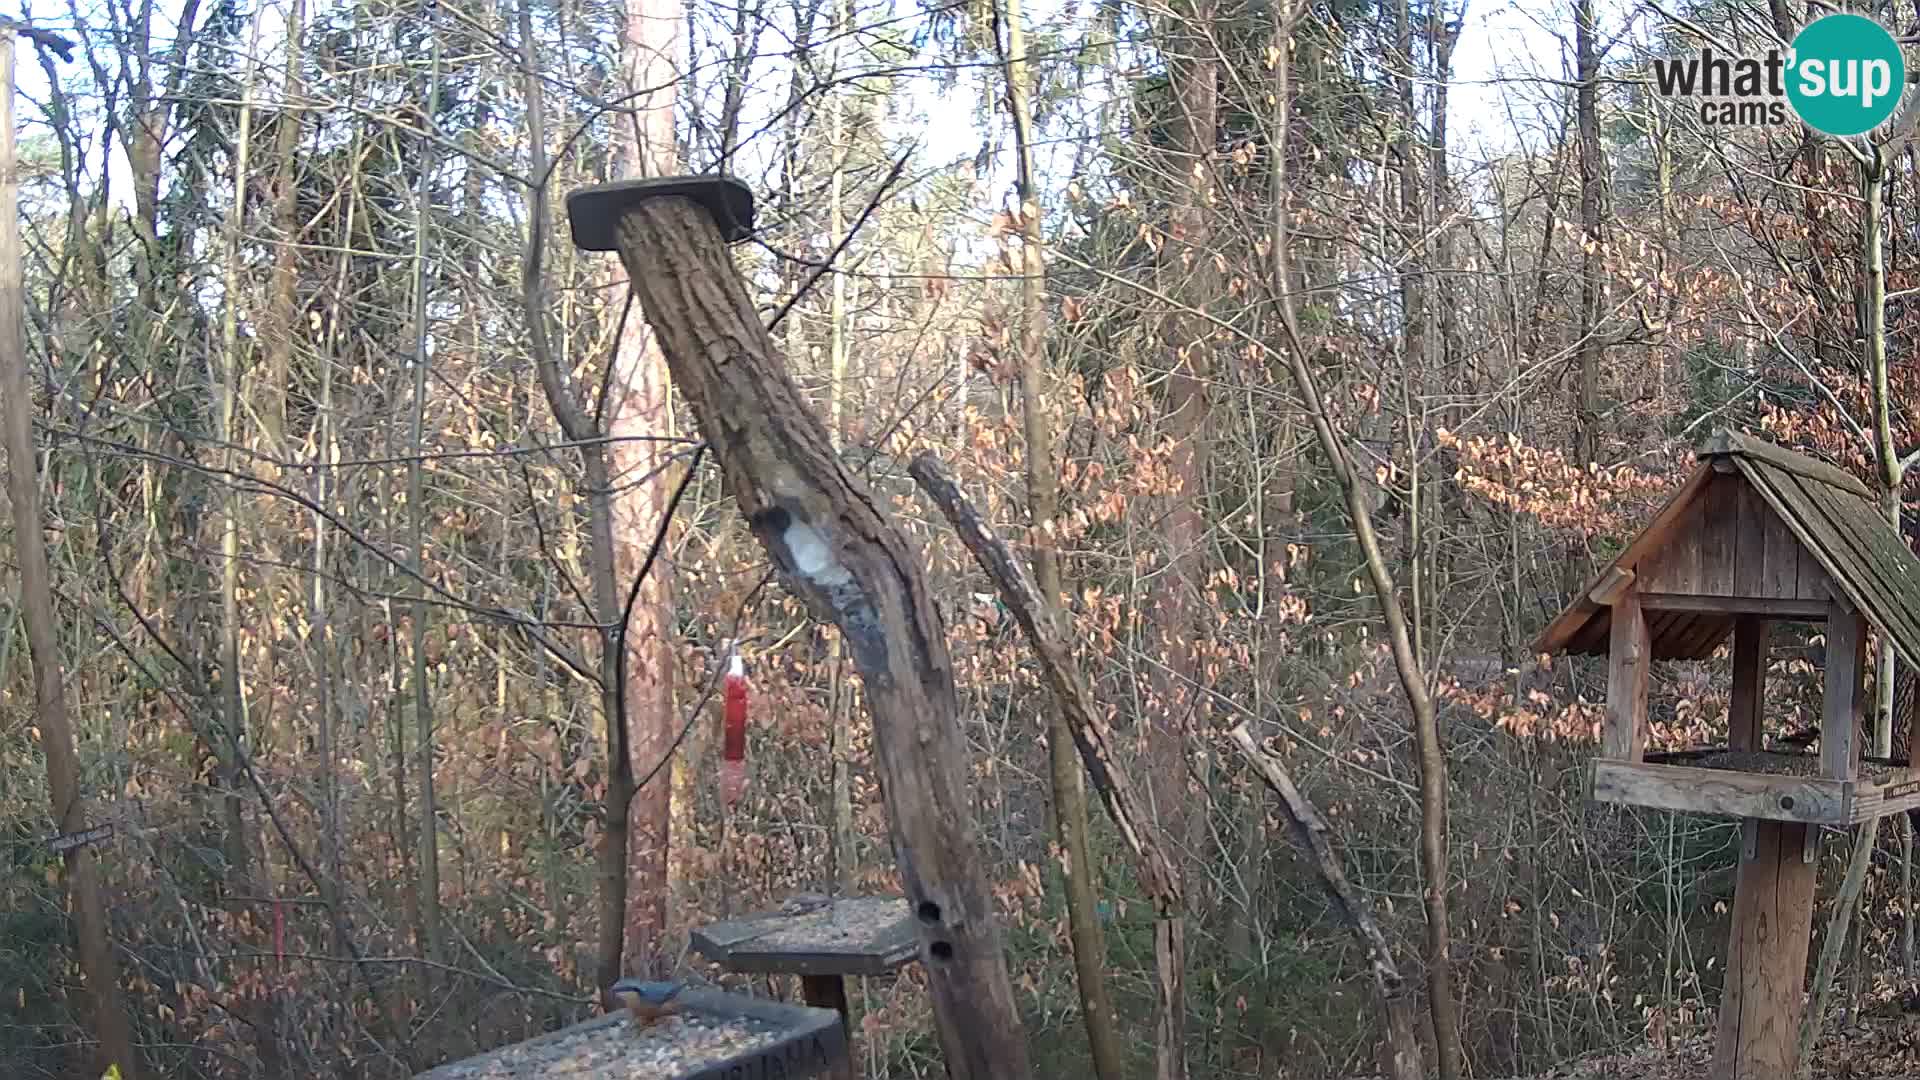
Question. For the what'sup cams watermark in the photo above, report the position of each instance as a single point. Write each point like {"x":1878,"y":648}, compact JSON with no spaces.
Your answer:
{"x":1843,"y":75}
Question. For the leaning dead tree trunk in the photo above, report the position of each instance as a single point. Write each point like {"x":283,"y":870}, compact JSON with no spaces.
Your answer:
{"x":1052,"y":644}
{"x":1402,"y":1060}
{"x":97,"y":962}
{"x":848,"y":563}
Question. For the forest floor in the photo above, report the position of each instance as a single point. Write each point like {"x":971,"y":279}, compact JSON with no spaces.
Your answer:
{"x":1872,"y":1046}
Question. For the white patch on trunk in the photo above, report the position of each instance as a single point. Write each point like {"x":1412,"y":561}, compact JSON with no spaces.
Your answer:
{"x":813,"y":558}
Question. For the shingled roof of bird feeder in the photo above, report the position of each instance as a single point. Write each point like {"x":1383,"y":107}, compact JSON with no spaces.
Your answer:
{"x":1795,"y":532}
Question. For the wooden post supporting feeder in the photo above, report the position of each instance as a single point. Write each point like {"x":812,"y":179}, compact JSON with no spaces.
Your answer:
{"x":844,"y":558}
{"x":822,"y":941}
{"x":1756,"y":535}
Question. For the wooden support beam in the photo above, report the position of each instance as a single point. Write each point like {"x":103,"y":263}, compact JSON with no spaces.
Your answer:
{"x":1759,"y":1023}
{"x":830,"y":992}
{"x":1629,"y":653}
{"x":1772,"y":607}
{"x":1841,"y":739}
{"x":1611,"y":585}
{"x":1750,"y":635}
{"x":852,"y":567}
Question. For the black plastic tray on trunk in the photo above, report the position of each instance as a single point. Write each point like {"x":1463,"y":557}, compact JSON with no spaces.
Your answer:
{"x":718,"y":1036}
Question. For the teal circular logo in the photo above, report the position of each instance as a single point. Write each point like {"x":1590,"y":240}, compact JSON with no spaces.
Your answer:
{"x":1845,"y":75}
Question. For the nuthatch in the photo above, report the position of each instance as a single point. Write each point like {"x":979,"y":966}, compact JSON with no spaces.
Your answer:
{"x":647,"y":1001}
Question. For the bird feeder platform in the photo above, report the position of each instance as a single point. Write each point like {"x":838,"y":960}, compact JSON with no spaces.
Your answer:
{"x":823,"y":941}
{"x":864,"y":935}
{"x":713,"y":1036}
{"x":1756,"y":536}
{"x":1768,"y":785}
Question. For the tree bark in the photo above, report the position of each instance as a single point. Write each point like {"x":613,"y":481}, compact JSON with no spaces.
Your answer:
{"x":70,"y":808}
{"x":282,"y":318}
{"x":851,"y":566}
{"x":610,"y":854}
{"x":420,"y":611}
{"x":226,"y":394}
{"x":638,"y":414}
{"x":1043,"y":507}
{"x":841,"y":747}
{"x":1873,"y":307}
{"x":1873,"y":332}
{"x":1193,"y":71}
{"x":1587,"y":349}
{"x":1442,"y":998}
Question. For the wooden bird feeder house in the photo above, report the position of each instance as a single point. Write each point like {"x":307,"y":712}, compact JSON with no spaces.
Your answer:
{"x":1757,"y":535}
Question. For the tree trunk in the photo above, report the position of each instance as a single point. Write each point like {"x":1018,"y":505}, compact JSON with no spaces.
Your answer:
{"x":319,"y":637}
{"x":233,"y":713}
{"x":237,"y":845}
{"x":1587,"y":349}
{"x":282,"y":319}
{"x":1873,"y":308}
{"x":70,"y":809}
{"x":420,"y":610}
{"x":610,"y":854}
{"x":841,"y":747}
{"x":1873,"y":333}
{"x":1442,"y":1000}
{"x":638,"y":413}
{"x":1194,"y":71}
{"x":1043,"y":507}
{"x":851,"y":566}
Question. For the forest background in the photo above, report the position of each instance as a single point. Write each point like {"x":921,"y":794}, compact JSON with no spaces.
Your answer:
{"x":1320,"y":349}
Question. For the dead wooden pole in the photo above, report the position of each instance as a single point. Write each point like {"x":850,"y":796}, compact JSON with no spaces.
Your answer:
{"x":102,"y":972}
{"x":1402,"y":1060}
{"x":843,"y":557}
{"x":1052,"y":645}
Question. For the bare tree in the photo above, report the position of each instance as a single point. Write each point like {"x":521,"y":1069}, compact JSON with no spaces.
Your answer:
{"x":1043,"y":509}
{"x":70,"y":806}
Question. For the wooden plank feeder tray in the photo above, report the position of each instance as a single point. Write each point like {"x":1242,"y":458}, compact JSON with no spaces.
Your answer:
{"x":819,"y":939}
{"x":714,"y":1036}
{"x":1757,"y":535}
{"x":1768,"y":785}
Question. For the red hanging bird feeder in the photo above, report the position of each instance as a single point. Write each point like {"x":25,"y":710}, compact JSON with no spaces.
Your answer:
{"x":733,"y":748}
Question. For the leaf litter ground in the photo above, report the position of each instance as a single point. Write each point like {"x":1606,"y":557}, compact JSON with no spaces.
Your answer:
{"x":1868,"y":1048}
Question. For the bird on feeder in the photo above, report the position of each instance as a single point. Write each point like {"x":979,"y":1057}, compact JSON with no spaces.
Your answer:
{"x":648,"y":1002}
{"x":1799,"y":740}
